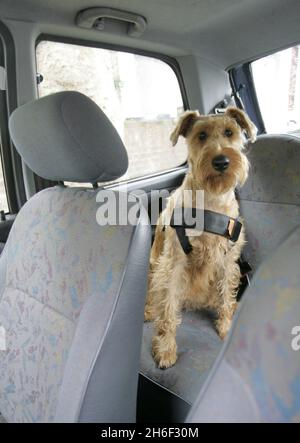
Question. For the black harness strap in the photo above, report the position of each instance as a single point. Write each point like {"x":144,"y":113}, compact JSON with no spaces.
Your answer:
{"x":184,"y":240}
{"x":213,"y":222}
{"x":245,"y":267}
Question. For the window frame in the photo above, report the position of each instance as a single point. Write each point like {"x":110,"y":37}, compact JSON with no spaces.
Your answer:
{"x":170,"y":61}
{"x":11,"y":160}
{"x":242,"y":84}
{"x":249,"y":84}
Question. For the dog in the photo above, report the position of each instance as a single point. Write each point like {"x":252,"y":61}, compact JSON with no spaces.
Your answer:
{"x":209,"y":276}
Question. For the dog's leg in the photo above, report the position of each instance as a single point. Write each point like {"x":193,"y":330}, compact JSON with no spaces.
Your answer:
{"x":156,"y":250}
{"x":158,"y":243}
{"x":150,"y":311}
{"x":164,"y":348}
{"x":227,"y":288}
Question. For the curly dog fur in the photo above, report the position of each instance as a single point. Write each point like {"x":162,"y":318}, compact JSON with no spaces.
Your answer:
{"x":209,"y":276}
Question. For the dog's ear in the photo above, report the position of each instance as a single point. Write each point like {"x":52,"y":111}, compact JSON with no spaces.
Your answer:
{"x":184,"y":125}
{"x":243,"y":121}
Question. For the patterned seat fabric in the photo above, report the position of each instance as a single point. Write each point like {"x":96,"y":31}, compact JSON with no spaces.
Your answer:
{"x":71,"y":291}
{"x":270,"y":205}
{"x":257,"y":376}
{"x":57,"y":257}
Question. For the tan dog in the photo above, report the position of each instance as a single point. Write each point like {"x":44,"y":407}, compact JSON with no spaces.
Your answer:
{"x":209,"y":276}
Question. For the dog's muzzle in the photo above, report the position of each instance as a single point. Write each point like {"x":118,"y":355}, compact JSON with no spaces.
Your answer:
{"x":220,"y":163}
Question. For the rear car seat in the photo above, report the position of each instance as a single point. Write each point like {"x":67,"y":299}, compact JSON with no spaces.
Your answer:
{"x":270,"y":205}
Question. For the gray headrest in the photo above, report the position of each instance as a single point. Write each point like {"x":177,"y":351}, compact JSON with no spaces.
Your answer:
{"x":274,"y":170}
{"x":66,"y":136}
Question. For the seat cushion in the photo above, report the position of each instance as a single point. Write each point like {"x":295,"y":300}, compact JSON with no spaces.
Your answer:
{"x":198,"y":346}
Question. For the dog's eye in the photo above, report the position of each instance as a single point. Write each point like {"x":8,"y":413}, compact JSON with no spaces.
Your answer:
{"x":228,"y":132}
{"x":203,"y":135}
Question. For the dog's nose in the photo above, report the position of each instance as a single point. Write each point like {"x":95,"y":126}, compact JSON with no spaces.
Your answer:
{"x":220,"y":163}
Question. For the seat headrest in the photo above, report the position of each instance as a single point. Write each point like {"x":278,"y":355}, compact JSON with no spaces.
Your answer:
{"x":66,"y":136}
{"x":274,"y":170}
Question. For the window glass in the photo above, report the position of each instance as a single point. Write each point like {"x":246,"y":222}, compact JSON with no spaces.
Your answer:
{"x":277,"y":83}
{"x":140,"y":95}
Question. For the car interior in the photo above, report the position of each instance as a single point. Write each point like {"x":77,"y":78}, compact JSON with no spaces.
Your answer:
{"x":90,"y":92}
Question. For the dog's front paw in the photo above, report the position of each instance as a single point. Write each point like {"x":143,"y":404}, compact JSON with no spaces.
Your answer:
{"x":223,"y":325}
{"x":164,"y":352}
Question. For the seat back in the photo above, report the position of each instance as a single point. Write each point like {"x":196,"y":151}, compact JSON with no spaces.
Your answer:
{"x":257,"y":376}
{"x":71,"y":291}
{"x":270,"y":199}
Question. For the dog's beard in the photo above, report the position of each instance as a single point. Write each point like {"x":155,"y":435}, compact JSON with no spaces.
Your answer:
{"x":219,"y":183}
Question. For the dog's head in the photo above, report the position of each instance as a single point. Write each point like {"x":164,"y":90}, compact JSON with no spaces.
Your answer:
{"x":215,"y":145}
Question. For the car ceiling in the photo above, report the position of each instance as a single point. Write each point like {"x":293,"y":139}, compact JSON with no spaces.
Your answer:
{"x":225,"y":32}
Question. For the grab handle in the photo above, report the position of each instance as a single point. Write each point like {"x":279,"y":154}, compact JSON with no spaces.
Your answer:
{"x":95,"y":18}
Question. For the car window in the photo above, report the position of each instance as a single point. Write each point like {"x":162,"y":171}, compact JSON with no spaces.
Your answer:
{"x":139,"y":94}
{"x":277,"y":83}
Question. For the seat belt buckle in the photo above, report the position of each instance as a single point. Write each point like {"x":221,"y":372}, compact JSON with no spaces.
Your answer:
{"x":234,"y":229}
